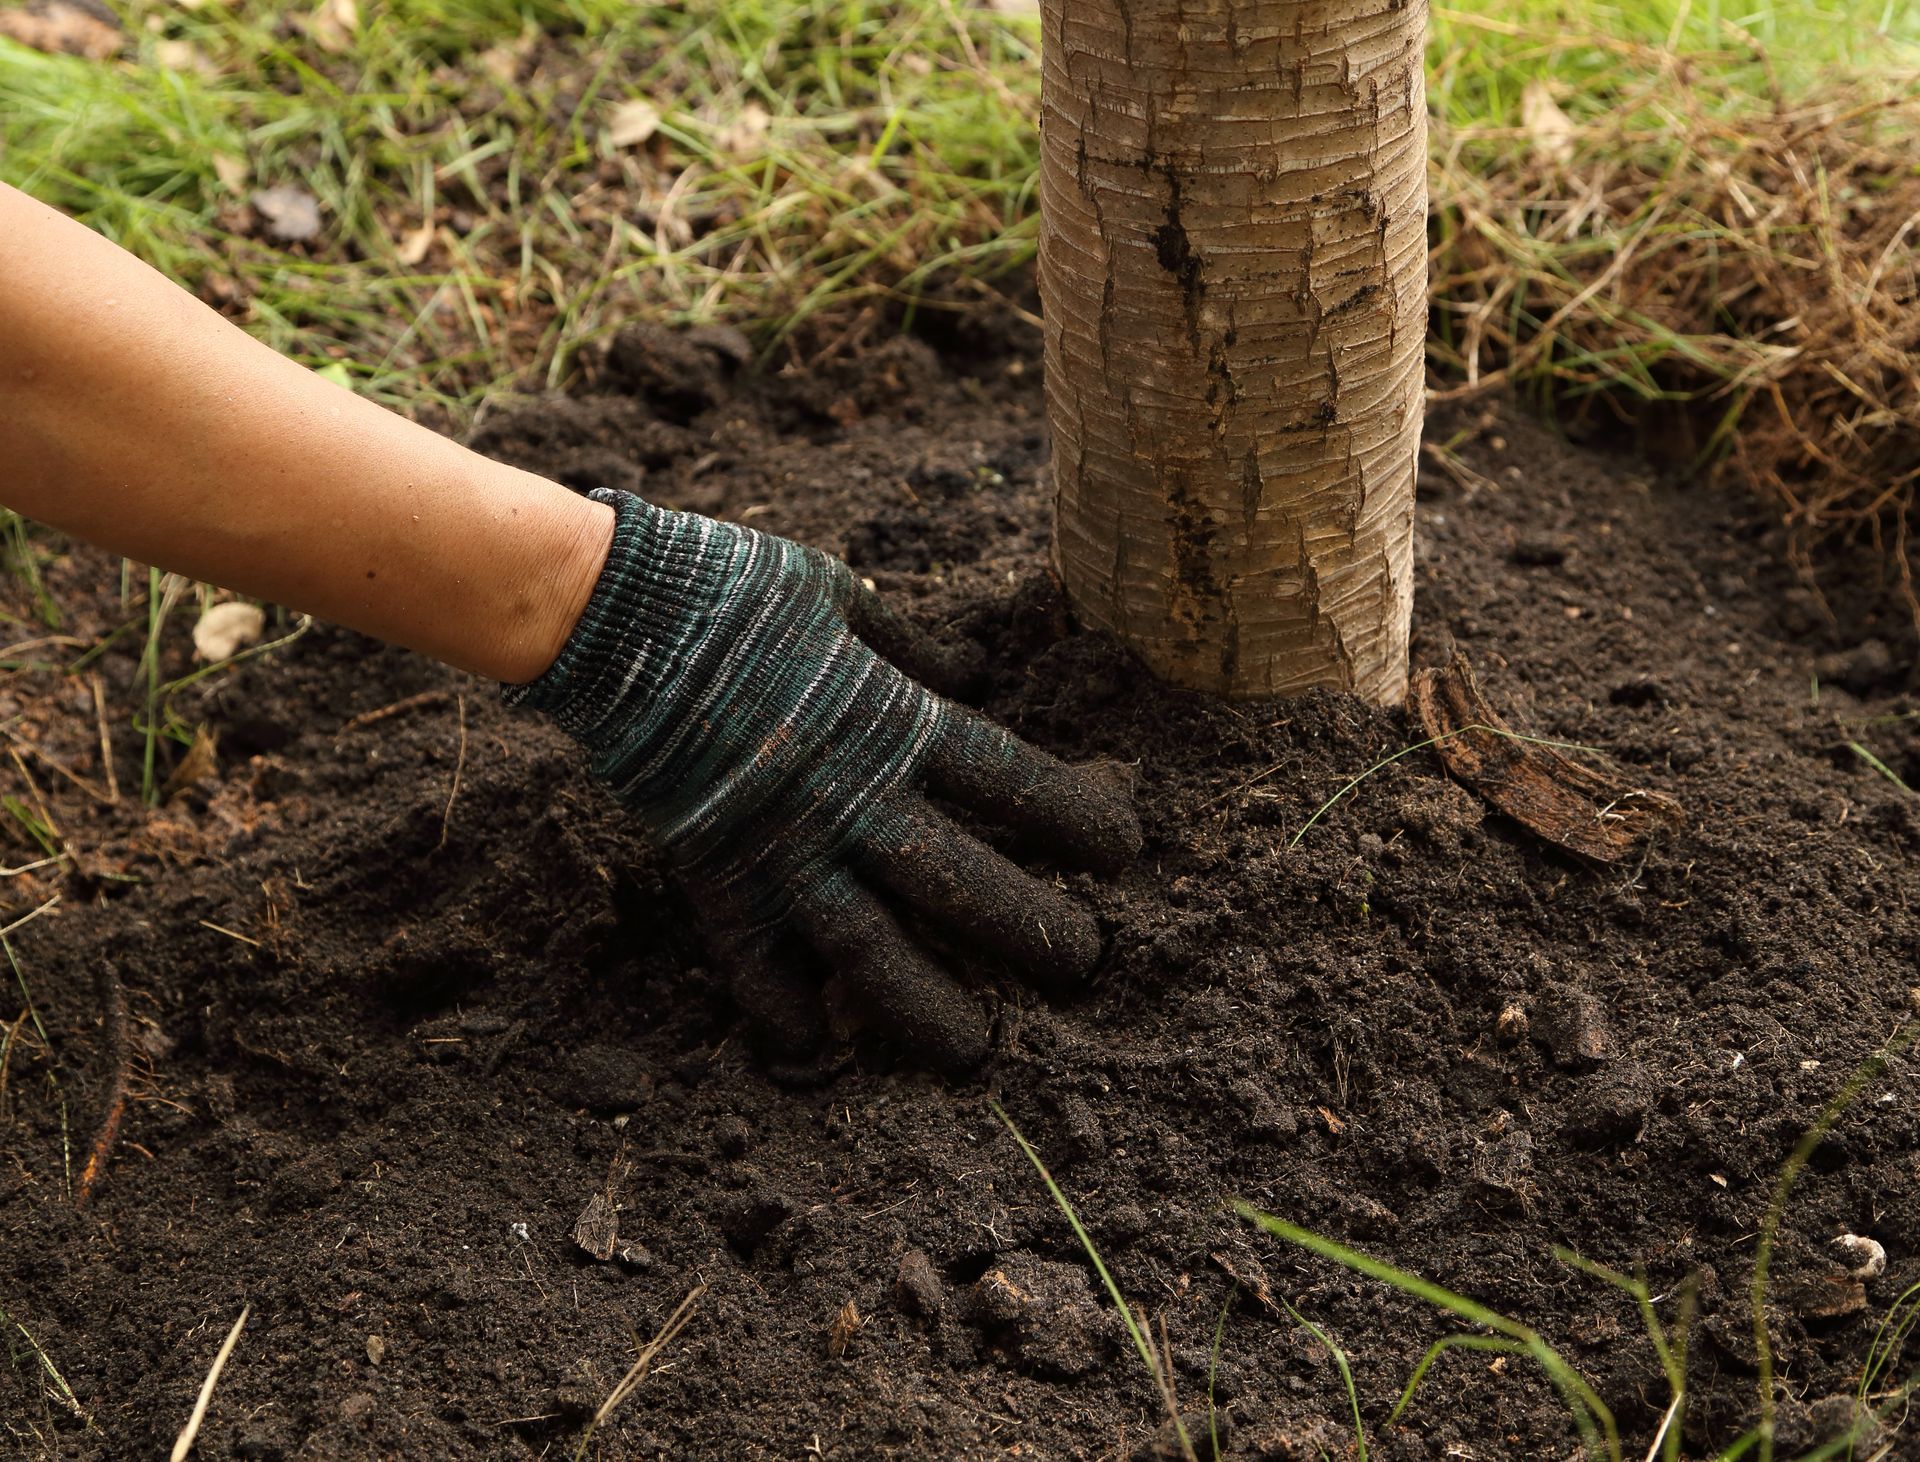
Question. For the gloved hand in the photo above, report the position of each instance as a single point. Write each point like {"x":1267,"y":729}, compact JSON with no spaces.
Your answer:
{"x":727,"y":685}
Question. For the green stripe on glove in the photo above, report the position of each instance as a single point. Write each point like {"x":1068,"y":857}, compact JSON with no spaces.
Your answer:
{"x":726,"y":684}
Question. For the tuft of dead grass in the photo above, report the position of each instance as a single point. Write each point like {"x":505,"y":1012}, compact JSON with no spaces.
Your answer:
{"x":1744,"y":288}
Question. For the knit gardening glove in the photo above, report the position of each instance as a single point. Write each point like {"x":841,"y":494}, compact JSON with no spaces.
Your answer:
{"x":727,"y":685}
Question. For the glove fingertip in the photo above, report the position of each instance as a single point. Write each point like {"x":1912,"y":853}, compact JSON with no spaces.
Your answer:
{"x":783,"y":1011}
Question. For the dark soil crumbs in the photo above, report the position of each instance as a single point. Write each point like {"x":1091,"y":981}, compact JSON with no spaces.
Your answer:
{"x":387,"y":1042}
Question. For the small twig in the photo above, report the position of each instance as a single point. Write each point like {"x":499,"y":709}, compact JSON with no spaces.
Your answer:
{"x":29,"y":916}
{"x":459,"y":765}
{"x":183,"y":1444}
{"x":114,"y":998}
{"x":59,"y":766}
{"x":46,"y":814}
{"x":106,"y":741}
{"x":1666,"y":1425}
{"x":398,"y":708}
{"x":65,"y":1391}
{"x":649,"y":1353}
{"x":230,"y":933}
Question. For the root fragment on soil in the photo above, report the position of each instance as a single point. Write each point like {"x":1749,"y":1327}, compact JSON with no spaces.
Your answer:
{"x":1581,"y":808}
{"x":183,"y":1444}
{"x":114,"y":998}
{"x":459,"y":766}
{"x":649,"y":1353}
{"x":396,"y":708}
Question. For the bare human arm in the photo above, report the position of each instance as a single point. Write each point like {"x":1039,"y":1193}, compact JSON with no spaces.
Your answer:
{"x":746,"y":698}
{"x":133,"y":416}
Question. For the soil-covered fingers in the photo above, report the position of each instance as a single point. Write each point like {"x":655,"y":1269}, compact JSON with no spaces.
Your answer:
{"x":1083,"y":813}
{"x":951,"y":667}
{"x":979,"y":898}
{"x":780,"y":1002}
{"x":906,"y":995}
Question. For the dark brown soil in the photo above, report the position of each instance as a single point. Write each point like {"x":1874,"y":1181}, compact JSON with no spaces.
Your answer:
{"x":388,"y":1040}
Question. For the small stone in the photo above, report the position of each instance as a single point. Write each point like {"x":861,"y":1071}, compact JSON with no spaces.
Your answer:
{"x":1865,"y":1258}
{"x":1511,"y":1025}
{"x":376,"y":1350}
{"x":916,"y":1288}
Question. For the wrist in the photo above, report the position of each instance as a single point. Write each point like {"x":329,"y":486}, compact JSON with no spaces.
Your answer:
{"x":563,"y":552}
{"x":657,"y":584}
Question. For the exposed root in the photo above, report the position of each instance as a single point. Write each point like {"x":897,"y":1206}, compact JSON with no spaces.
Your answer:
{"x":114,"y":997}
{"x":1583,"y":808}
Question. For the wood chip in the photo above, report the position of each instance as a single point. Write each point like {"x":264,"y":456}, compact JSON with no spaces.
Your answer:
{"x":845,"y":1326}
{"x":1583,"y":808}
{"x":597,"y":1229}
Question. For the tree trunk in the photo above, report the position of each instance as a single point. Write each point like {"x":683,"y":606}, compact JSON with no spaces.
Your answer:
{"x":1233,"y":267}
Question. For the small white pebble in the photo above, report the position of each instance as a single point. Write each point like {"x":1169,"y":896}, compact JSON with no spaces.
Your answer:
{"x":1868,"y":1260}
{"x":519,"y":1231}
{"x":1809,"y":1065}
{"x":1739,"y":1059}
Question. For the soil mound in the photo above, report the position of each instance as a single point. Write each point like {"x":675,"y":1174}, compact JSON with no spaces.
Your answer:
{"x":388,"y":1039}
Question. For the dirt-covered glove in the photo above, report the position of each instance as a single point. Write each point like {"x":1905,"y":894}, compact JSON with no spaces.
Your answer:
{"x":728,"y":687}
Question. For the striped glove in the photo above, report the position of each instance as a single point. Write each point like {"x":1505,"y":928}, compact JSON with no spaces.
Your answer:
{"x":728,"y":687}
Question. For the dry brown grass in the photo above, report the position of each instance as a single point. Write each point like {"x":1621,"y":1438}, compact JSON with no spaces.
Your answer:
{"x":1744,"y":288}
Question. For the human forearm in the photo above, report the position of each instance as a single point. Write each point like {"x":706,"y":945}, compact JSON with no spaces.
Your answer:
{"x":136,"y":418}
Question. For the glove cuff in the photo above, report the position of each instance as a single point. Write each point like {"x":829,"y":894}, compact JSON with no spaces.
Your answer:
{"x":652,"y":592}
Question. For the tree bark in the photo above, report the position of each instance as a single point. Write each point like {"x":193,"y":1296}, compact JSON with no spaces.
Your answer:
{"x":1233,"y":269}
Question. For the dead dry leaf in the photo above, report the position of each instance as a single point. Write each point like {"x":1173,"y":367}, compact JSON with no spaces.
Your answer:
{"x":232,"y":172}
{"x":201,"y":762}
{"x":845,"y":1326}
{"x":413,"y":247}
{"x":1549,"y":130}
{"x":332,"y":24}
{"x":745,"y":131}
{"x":1584,"y":807}
{"x":292,"y":215}
{"x":632,"y":122}
{"x":226,"y":629}
{"x":60,"y":27}
{"x":597,"y":1229}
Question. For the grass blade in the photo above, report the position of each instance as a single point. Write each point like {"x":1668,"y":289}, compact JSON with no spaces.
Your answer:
{"x":1142,"y":1342}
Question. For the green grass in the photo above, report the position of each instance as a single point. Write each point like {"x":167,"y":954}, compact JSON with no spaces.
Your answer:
{"x":886,"y":147}
{"x":813,"y":157}
{"x":1139,"y":1330}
